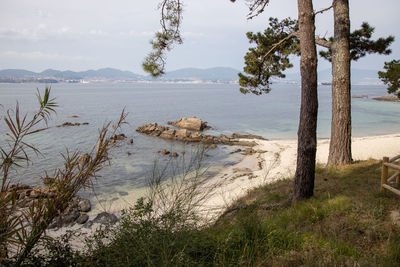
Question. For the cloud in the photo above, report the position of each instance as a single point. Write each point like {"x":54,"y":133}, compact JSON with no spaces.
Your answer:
{"x":37,"y":55}
{"x":39,"y":33}
{"x":98,"y":33}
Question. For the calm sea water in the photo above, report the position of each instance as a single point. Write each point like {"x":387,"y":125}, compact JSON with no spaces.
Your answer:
{"x":273,"y":116}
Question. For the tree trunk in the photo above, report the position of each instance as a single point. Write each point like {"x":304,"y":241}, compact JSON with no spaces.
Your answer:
{"x":303,"y":186}
{"x":340,"y":144}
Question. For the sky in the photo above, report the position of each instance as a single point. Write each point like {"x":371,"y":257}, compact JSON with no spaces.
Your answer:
{"x":91,"y":34}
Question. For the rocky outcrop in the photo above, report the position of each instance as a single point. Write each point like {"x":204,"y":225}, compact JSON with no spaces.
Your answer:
{"x":359,"y":96}
{"x":165,"y":152}
{"x":389,"y":98}
{"x":28,"y":196}
{"x":153,"y":129}
{"x":66,"y":124}
{"x":248,"y":136}
{"x":190,"y":123}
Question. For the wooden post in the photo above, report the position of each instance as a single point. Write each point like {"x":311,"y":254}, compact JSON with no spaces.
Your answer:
{"x":384,"y":176}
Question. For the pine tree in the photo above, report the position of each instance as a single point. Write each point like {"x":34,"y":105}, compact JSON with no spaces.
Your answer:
{"x":391,"y":76}
{"x":270,"y":58}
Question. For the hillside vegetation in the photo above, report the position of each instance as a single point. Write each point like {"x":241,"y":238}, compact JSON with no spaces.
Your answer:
{"x":347,"y":223}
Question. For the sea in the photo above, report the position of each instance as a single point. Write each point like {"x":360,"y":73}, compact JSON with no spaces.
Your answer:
{"x":274,"y":116}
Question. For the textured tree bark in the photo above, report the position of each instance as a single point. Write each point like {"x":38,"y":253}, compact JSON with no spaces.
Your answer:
{"x":303,"y":186}
{"x":340,"y":144}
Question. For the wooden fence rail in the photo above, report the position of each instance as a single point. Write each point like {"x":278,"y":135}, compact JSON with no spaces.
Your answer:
{"x":385,"y":180}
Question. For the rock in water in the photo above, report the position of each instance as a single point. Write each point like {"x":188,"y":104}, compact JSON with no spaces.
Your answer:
{"x":190,"y":123}
{"x":84,"y":205}
{"x":248,"y":136}
{"x":164,"y":152}
{"x":82,"y":219}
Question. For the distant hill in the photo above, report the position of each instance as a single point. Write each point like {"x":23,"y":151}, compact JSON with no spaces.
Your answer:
{"x":186,"y":74}
{"x":106,"y":73}
{"x":218,"y":74}
{"x":17,"y":73}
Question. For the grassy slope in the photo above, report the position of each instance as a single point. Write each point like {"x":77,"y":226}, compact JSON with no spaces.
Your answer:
{"x":346,"y":224}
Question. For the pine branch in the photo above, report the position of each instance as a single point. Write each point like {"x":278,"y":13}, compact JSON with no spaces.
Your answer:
{"x":322,"y":10}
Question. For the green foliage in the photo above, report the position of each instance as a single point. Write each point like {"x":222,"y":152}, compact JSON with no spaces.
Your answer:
{"x":361,"y":44}
{"x":171,"y":17}
{"x":337,"y":227}
{"x":270,"y":56}
{"x":22,"y":223}
{"x":391,"y":76}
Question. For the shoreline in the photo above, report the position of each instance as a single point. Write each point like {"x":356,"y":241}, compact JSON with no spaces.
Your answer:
{"x":273,"y":160}
{"x":276,"y":159}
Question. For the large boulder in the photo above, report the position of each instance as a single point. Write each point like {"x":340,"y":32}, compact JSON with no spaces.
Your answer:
{"x":168,"y":134}
{"x":182,"y":134}
{"x":190,"y":123}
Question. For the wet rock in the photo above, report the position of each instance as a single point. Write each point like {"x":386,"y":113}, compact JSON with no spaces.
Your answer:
{"x":164,"y":152}
{"x":195,"y":137}
{"x":70,"y":218}
{"x":359,"y":96}
{"x":82,"y":219}
{"x":153,"y":129}
{"x":224,"y":139}
{"x":84,"y":205}
{"x":168,"y":134}
{"x":67,"y":124}
{"x":105,"y":218}
{"x":182,"y":134}
{"x":244,"y":143}
{"x":249,"y":151}
{"x":190,"y":123}
{"x":236,"y":151}
{"x":248,"y":136}
{"x":118,"y":137}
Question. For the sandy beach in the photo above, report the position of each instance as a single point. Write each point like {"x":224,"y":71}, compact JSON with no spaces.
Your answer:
{"x":272,"y":160}
{"x":276,"y":159}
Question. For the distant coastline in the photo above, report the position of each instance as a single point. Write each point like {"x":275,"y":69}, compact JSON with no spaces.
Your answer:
{"x":186,"y":75}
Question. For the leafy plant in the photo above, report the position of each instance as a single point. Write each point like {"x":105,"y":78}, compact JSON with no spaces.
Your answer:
{"x":23,"y":224}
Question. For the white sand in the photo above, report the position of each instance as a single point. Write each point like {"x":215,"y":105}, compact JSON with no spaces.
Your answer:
{"x":277,"y":159}
{"x":273,"y":160}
